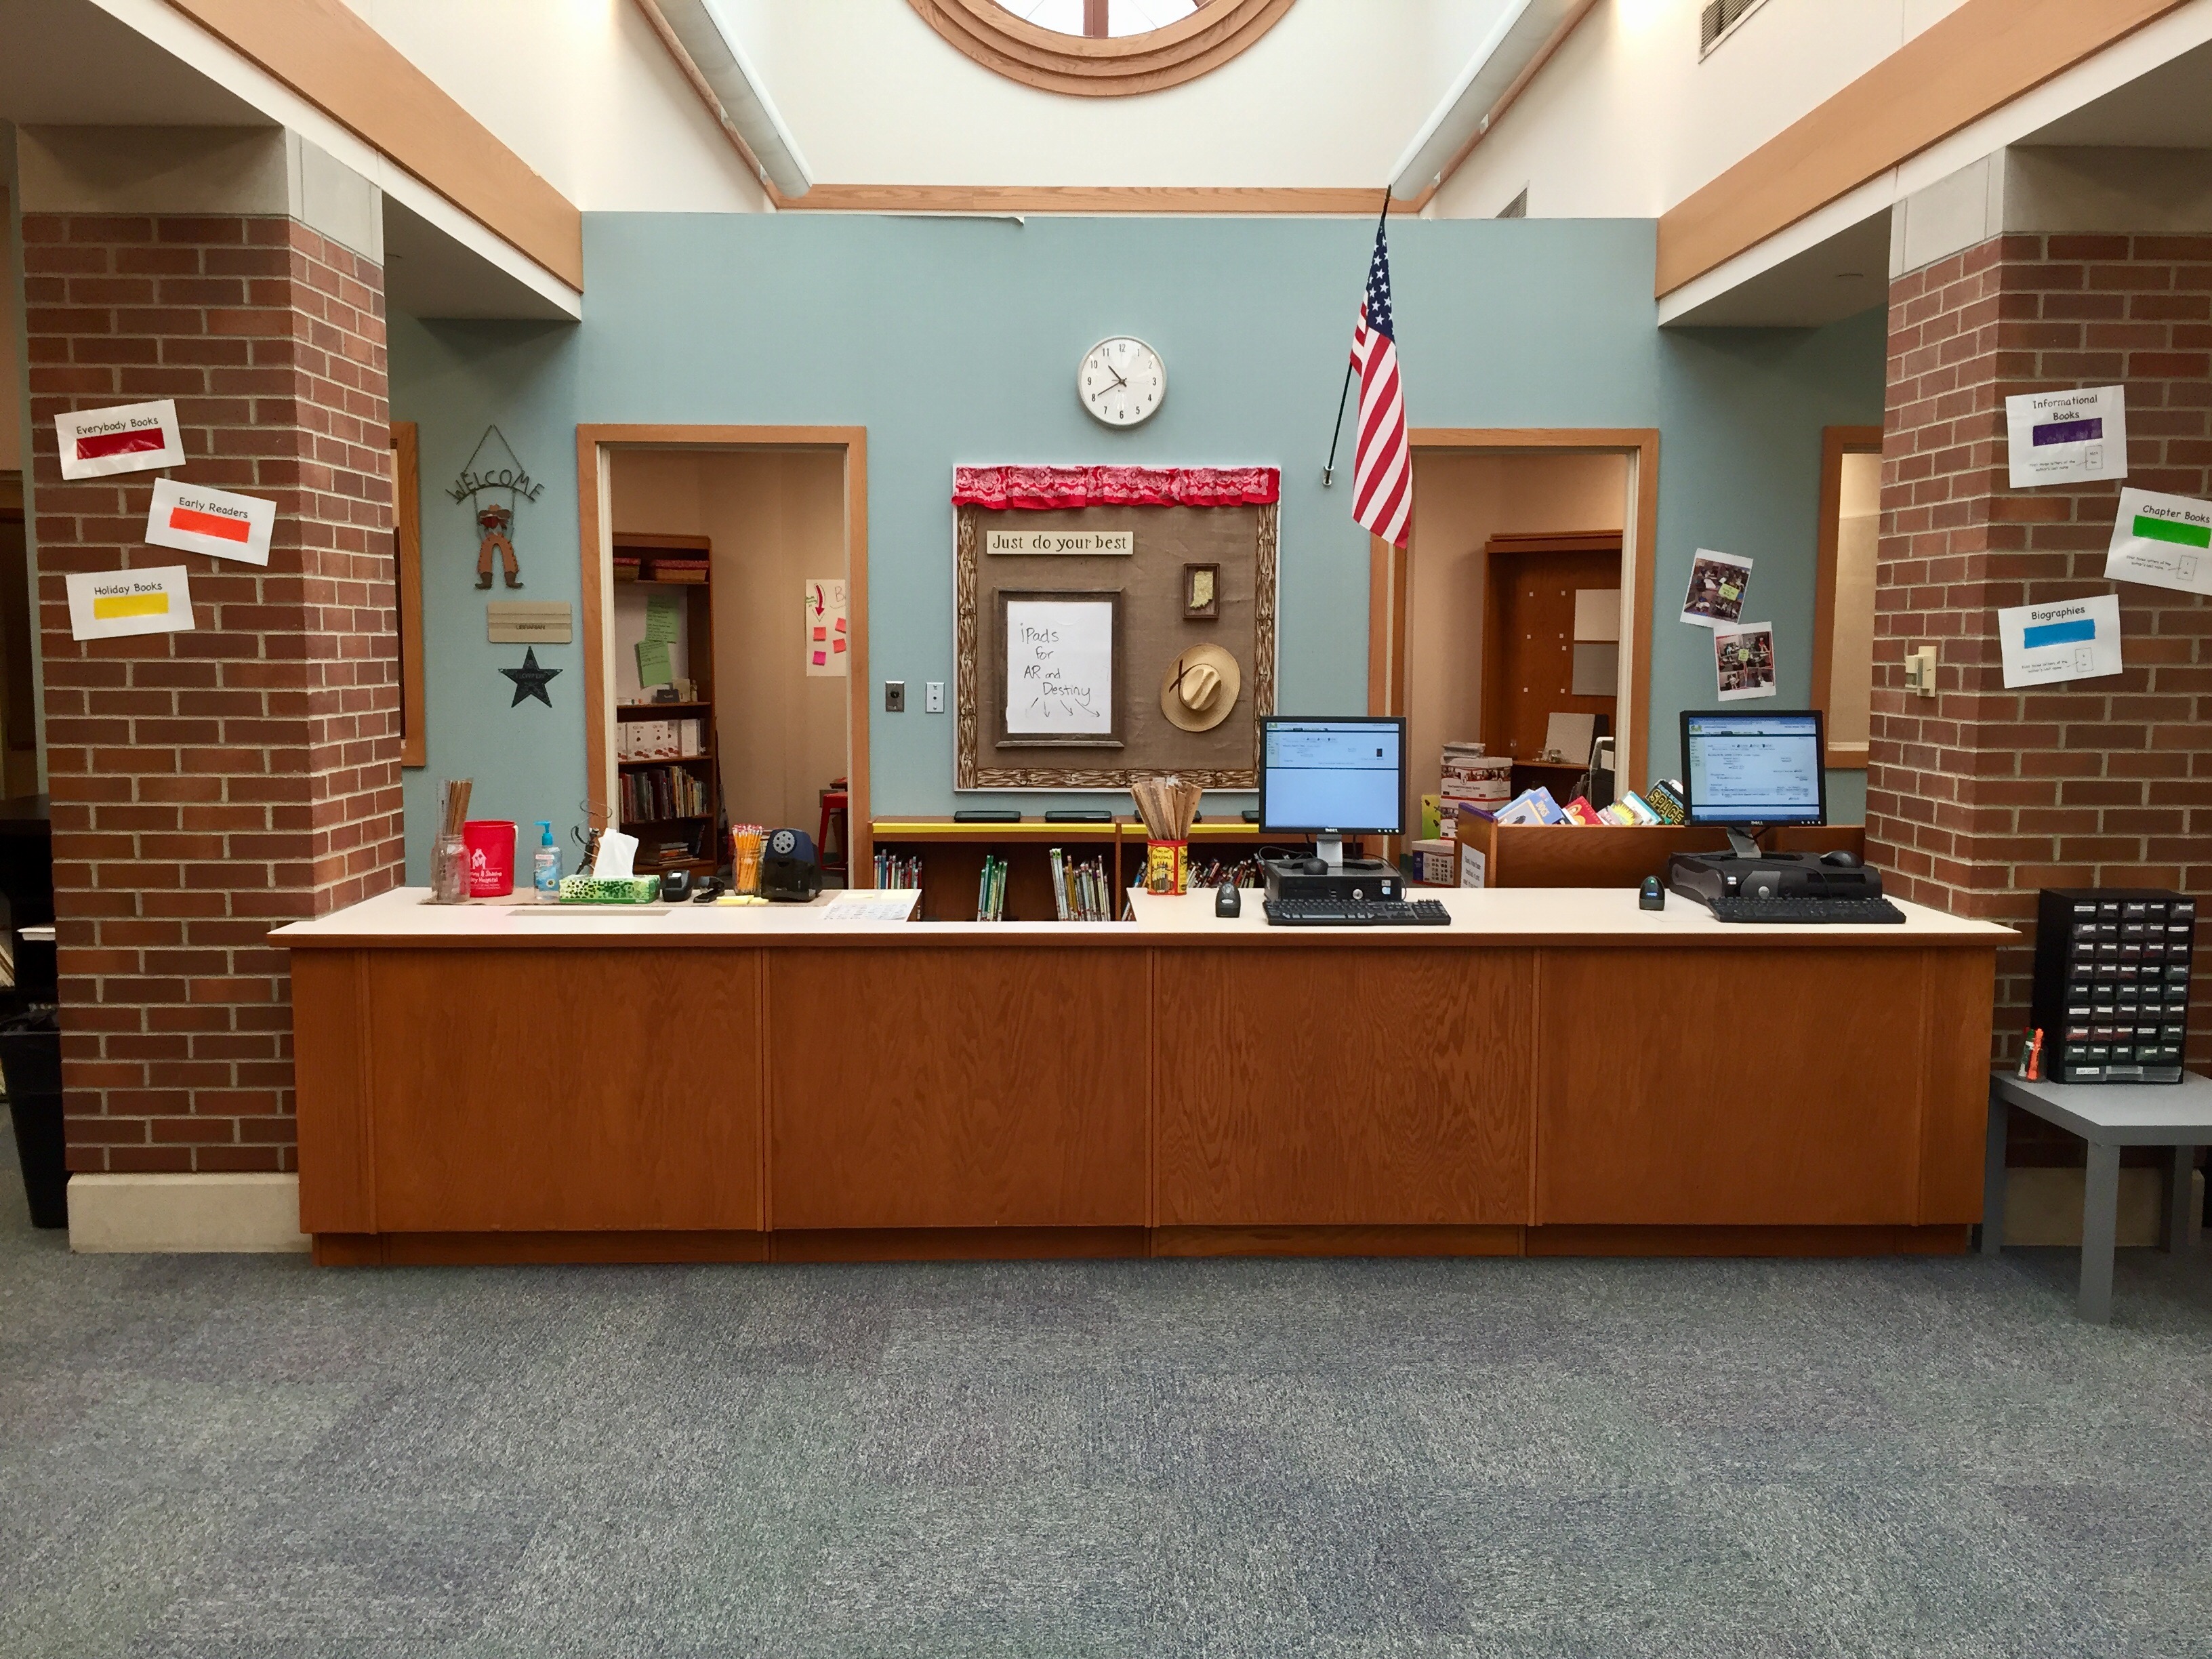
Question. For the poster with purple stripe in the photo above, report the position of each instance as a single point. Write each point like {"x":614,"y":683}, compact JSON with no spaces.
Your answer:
{"x":2067,"y":437}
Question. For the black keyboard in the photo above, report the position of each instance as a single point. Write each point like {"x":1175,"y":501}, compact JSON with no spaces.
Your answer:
{"x":1350,"y":913}
{"x":1805,"y":910}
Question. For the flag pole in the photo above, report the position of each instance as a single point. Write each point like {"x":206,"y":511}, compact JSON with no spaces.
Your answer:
{"x":1328,"y":470}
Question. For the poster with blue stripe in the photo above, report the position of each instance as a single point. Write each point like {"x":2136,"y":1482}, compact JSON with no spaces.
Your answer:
{"x":2066,"y":639}
{"x":2162,"y":541}
{"x":2067,"y":437}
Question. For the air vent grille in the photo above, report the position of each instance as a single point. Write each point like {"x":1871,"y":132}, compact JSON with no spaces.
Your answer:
{"x":1719,"y":18}
{"x":1517,"y":208}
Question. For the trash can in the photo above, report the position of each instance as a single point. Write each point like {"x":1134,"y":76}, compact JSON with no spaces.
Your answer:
{"x":31,"y":1065}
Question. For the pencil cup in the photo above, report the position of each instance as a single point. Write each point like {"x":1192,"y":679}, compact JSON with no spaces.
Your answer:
{"x":1167,"y":866}
{"x":449,"y":871}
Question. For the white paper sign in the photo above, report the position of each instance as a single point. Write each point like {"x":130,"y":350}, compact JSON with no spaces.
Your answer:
{"x":128,"y":438}
{"x":115,"y":604}
{"x":1472,"y":866}
{"x":1060,"y":666}
{"x":1061,"y":541}
{"x":829,"y":645}
{"x":1743,"y":661}
{"x":2068,"y":640}
{"x":1717,"y":581}
{"x":199,"y":519}
{"x":2067,"y":437}
{"x":2164,"y":541}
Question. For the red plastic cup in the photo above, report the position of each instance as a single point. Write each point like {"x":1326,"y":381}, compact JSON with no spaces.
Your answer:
{"x":489,"y":843}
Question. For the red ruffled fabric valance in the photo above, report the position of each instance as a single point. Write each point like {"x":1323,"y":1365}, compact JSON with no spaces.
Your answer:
{"x":1039,"y":487}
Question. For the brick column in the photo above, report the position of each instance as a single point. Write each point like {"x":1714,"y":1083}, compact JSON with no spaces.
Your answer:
{"x":1979,"y":796}
{"x":210,"y":785}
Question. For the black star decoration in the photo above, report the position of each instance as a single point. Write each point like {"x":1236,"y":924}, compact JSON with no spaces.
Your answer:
{"x":530,"y":679}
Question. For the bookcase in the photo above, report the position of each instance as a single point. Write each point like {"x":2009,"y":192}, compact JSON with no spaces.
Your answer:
{"x":686,"y":835}
{"x":952,"y":856}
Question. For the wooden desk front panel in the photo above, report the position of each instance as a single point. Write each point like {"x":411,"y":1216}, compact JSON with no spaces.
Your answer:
{"x":1311,"y":1087}
{"x":958,"y":1087}
{"x":536,"y":1090}
{"x":1731,"y":1088}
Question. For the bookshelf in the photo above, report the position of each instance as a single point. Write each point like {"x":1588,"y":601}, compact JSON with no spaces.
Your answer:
{"x":673,"y":833}
{"x":952,"y":856}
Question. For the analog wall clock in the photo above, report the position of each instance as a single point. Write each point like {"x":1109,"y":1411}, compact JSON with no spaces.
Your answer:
{"x":1121,"y":381}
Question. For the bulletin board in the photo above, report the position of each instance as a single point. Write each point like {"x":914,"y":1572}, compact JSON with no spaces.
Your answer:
{"x":1168,"y":518}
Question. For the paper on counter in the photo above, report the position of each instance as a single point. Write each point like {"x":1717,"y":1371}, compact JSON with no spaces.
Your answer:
{"x":2164,"y":541}
{"x":863,"y":907}
{"x":2069,"y":640}
{"x":2067,"y":437}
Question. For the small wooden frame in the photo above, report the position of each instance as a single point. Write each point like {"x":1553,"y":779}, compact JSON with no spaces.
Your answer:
{"x":1201,"y":593}
{"x":1002,"y":688}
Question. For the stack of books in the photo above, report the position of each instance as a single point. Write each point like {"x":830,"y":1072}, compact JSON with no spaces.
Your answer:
{"x":1473,"y":781}
{"x":899,"y":875}
{"x":991,"y":890}
{"x":678,"y":568}
{"x":1082,"y":890}
{"x":662,"y":792}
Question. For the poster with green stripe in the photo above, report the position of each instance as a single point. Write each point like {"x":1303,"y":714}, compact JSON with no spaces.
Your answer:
{"x":2164,"y":541}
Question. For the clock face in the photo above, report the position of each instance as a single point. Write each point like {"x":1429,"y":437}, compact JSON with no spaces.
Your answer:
{"x":1121,"y":381}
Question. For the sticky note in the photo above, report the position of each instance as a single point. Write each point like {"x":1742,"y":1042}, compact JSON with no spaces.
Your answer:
{"x":820,"y":657}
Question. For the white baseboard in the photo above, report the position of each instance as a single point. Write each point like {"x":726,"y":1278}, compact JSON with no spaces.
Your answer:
{"x":185,"y":1213}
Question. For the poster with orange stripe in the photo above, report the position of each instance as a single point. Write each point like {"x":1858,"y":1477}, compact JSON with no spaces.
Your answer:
{"x":115,"y":604}
{"x":199,"y":519}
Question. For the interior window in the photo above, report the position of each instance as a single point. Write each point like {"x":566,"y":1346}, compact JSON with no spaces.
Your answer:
{"x":1850,"y":533}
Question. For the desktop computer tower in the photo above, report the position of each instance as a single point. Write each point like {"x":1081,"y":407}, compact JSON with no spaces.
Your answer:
{"x":2111,"y":992}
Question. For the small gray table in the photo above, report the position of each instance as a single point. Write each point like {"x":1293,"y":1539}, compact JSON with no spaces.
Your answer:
{"x":2108,"y":1116}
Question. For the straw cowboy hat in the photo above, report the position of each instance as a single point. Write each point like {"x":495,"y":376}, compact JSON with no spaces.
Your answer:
{"x":1200,"y":688}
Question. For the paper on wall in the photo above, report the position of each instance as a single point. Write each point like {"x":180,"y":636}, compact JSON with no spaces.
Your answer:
{"x":2069,"y":640}
{"x":1473,"y":864}
{"x":128,"y":438}
{"x":200,"y":519}
{"x":116,"y":604}
{"x":1060,"y":666}
{"x":1743,"y":661}
{"x":827,"y":638}
{"x":2164,"y":541}
{"x":2067,"y":437}
{"x":1717,"y":581}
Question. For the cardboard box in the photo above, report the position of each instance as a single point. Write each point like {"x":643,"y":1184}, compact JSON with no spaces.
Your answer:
{"x":1435,"y":862}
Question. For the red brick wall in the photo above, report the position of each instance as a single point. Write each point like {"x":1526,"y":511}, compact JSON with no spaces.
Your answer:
{"x":1980,"y":796}
{"x":207,"y":785}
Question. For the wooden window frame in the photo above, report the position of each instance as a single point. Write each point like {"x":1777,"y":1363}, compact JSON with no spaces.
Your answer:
{"x":1836,"y":442}
{"x":407,"y":577}
{"x":1114,"y":67}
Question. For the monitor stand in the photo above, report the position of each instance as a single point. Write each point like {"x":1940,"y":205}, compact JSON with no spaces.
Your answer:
{"x":1329,"y":849}
{"x":1744,"y":846}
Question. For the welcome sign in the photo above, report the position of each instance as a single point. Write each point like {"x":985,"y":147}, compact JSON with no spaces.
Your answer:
{"x":2164,"y":541}
{"x":129,"y":438}
{"x":115,"y":604}
{"x":199,"y":519}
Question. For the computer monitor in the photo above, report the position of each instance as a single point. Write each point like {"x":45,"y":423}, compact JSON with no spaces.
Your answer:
{"x":1332,"y":776}
{"x":1742,"y":769}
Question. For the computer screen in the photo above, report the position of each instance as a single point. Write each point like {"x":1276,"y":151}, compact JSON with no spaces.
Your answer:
{"x":1344,"y":776}
{"x":1754,"y":769}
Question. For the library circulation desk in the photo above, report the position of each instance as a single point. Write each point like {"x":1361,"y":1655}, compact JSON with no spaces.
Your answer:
{"x":1557,"y":1072}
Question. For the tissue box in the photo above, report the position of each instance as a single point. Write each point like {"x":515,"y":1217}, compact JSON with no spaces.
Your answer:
{"x":623,"y":889}
{"x":1436,"y":863}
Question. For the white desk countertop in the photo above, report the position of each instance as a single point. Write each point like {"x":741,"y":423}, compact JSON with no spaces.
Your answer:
{"x":1528,"y":916}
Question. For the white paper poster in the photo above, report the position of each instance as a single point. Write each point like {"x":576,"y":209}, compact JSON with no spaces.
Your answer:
{"x":828,"y":644}
{"x":1473,"y":865}
{"x":1743,"y":661}
{"x":199,"y":519}
{"x":1060,"y":666}
{"x":2164,"y":541}
{"x":2068,"y":640}
{"x":1717,"y":581}
{"x":114,"y":604}
{"x":2067,"y":437}
{"x":128,"y":438}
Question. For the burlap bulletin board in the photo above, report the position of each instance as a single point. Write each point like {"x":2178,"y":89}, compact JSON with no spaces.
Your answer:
{"x":1179,"y":516}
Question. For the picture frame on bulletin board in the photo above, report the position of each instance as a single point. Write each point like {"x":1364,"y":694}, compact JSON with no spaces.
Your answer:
{"x":1201,"y":593}
{"x":1059,"y":670}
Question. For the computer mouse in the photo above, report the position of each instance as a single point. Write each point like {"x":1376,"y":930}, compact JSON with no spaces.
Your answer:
{"x":1227,"y":900}
{"x":1842,"y":858}
{"x":1653,"y":897}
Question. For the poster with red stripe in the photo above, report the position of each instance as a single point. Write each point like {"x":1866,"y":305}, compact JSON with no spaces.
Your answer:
{"x":129,"y":438}
{"x":200,"y":519}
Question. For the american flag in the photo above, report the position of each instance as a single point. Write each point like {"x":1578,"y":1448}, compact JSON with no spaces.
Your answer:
{"x":1382,"y":464}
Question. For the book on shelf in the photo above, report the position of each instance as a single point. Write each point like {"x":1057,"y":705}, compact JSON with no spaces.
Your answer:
{"x":899,"y":874}
{"x":656,"y":794}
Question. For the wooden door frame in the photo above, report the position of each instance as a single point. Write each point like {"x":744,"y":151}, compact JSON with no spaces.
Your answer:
{"x":1836,"y":442}
{"x":407,"y":575}
{"x":1389,"y":568}
{"x":595,"y":447}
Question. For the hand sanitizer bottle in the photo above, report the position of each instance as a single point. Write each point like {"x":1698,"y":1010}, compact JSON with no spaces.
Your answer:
{"x":545,"y":874}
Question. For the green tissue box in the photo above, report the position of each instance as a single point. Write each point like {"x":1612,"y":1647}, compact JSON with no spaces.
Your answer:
{"x":622,"y":889}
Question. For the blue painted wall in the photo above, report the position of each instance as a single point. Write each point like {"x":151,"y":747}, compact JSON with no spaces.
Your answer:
{"x":955,"y":341}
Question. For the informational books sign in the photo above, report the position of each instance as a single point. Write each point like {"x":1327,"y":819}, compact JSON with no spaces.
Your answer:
{"x":2164,"y":541}
{"x":2067,"y":640}
{"x":2067,"y":437}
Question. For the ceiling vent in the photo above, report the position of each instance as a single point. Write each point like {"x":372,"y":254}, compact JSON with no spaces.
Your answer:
{"x":1718,"y":21}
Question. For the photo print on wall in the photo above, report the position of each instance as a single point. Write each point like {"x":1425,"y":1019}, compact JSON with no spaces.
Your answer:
{"x":1717,"y":581}
{"x":1743,"y":661}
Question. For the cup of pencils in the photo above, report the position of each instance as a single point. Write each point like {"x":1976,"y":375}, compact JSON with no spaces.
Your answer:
{"x":1169,"y":807}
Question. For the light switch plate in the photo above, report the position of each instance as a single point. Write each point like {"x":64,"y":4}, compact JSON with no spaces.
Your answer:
{"x":895,"y":696}
{"x":932,"y":697}
{"x":1920,"y":670}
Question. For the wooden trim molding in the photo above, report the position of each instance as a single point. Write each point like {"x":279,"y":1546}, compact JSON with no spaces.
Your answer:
{"x":328,"y":54}
{"x":595,"y":444}
{"x":1116,"y":68}
{"x":1090,"y":199}
{"x":407,"y":575}
{"x":1978,"y":58}
{"x":1836,"y":442}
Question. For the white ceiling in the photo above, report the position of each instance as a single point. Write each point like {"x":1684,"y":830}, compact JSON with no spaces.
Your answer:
{"x":2168,"y":108}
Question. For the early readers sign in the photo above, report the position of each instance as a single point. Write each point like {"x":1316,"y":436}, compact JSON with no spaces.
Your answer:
{"x":199,"y":519}
{"x":115,"y":604}
{"x":129,"y":438}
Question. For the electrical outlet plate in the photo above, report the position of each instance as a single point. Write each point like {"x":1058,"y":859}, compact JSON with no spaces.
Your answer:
{"x":932,"y":697}
{"x":895,"y":696}
{"x":1920,"y":670}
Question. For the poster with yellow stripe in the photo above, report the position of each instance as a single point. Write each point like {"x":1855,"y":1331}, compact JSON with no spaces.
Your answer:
{"x":115,"y":604}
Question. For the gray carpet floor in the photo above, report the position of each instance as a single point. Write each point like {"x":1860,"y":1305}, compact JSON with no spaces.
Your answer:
{"x":246,"y":1456}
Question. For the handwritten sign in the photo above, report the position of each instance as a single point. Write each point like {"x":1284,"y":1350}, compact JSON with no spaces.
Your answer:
{"x":1061,"y":541}
{"x":1059,"y":668}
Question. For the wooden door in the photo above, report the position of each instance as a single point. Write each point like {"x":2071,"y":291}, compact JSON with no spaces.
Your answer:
{"x":1528,"y":634}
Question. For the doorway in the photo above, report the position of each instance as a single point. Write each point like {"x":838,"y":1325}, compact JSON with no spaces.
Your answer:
{"x":700,"y":547}
{"x":1551,"y":642}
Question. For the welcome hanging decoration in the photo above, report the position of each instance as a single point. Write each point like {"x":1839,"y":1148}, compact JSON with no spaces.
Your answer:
{"x":495,"y":521}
